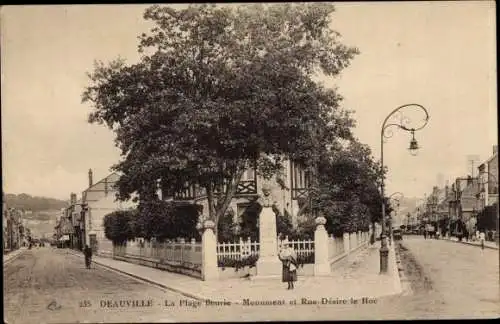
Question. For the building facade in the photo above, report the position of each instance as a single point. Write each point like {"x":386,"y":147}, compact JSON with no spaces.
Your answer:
{"x":13,"y":235}
{"x":289,"y":196}
{"x":488,"y":173}
{"x":98,"y":200}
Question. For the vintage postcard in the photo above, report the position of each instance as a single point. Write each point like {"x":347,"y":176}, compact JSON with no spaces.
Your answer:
{"x":249,"y":162}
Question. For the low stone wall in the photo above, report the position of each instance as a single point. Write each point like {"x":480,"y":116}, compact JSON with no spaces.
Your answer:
{"x":192,"y":271}
{"x":344,"y":258}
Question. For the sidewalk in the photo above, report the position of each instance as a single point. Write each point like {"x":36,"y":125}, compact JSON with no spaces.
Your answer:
{"x":487,"y":244}
{"x":360,"y":279}
{"x":13,"y":254}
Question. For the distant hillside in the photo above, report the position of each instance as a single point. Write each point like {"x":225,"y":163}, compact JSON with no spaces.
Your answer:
{"x":35,"y":204}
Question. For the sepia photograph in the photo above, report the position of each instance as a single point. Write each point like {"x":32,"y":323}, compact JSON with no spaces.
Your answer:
{"x":243,"y":162}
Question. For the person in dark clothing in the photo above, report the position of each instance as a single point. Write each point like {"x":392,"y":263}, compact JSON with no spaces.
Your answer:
{"x":88,"y":256}
{"x":289,"y":259}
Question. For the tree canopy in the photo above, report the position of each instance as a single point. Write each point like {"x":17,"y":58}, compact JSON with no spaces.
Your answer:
{"x":218,"y":88}
{"x":348,"y":193}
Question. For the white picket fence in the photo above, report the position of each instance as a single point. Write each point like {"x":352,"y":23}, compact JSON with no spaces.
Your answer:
{"x":237,"y":250}
{"x":180,"y":252}
{"x":301,"y":247}
{"x":245,"y":248}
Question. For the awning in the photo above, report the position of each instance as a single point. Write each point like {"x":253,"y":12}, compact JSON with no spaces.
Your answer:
{"x":64,"y":238}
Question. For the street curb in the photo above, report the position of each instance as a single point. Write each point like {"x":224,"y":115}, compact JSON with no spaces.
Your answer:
{"x":468,"y":243}
{"x":152,"y":282}
{"x":17,"y":255}
{"x":396,"y":273}
{"x":405,"y":282}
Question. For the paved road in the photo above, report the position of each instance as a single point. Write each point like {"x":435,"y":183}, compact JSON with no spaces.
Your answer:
{"x":463,"y":279}
{"x":455,"y":281}
{"x":47,"y":285}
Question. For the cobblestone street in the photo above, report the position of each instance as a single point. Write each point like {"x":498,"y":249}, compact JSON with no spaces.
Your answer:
{"x":51,"y":286}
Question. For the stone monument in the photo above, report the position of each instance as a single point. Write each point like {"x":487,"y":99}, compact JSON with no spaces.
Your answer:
{"x":268,"y":263}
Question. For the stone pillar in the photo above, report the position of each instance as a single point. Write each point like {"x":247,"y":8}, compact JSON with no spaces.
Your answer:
{"x":209,"y":252}
{"x":347,"y":244}
{"x":321,"y":266}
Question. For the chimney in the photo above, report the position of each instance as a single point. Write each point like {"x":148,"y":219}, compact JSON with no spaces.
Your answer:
{"x":72,"y":198}
{"x":90,"y":178}
{"x":495,"y":149}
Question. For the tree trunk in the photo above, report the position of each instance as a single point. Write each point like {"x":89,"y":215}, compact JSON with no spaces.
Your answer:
{"x":217,"y":207}
{"x":229,"y":192}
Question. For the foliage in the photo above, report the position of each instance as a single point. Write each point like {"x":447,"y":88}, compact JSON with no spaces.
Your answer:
{"x":166,"y":220}
{"x":487,"y":219}
{"x":347,"y":194}
{"x":227,"y":227}
{"x":251,"y":261}
{"x":284,"y":224}
{"x":249,"y":222}
{"x":118,"y":226}
{"x":217,"y":88}
{"x":306,"y":258}
{"x":228,"y":262}
{"x":305,"y":229}
{"x":153,"y":219}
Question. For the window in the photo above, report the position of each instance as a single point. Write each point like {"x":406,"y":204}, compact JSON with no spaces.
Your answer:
{"x":241,"y":209}
{"x":299,"y":176}
{"x":249,"y":174}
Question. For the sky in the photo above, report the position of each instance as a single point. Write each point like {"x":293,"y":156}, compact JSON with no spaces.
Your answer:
{"x":441,"y":55}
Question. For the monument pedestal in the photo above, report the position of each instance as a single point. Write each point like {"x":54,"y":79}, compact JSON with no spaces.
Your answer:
{"x":268,"y":264}
{"x":270,"y":267}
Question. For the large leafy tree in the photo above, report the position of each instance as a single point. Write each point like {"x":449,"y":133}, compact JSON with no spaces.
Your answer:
{"x":166,"y":220}
{"x":217,"y":89}
{"x":348,"y":193}
{"x":118,"y":226}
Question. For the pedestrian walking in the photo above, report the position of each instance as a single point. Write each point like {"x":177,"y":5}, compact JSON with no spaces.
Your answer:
{"x":481,"y":239}
{"x":88,"y":256}
{"x":289,"y":259}
{"x":425,"y":234}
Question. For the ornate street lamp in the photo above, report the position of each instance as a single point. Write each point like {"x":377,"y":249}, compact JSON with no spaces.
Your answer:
{"x":386,"y":132}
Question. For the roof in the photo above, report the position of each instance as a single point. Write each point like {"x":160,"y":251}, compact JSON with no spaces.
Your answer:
{"x":109,"y":179}
{"x":492,"y":158}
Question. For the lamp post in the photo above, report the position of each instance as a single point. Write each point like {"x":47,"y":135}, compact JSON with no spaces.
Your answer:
{"x":386,"y":132}
{"x":487,"y":182}
{"x":394,"y":197}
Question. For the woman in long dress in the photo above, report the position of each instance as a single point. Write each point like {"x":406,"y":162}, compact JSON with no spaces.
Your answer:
{"x":289,"y":259}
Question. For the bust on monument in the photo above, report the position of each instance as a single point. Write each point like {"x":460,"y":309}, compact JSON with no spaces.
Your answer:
{"x":266,"y":198}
